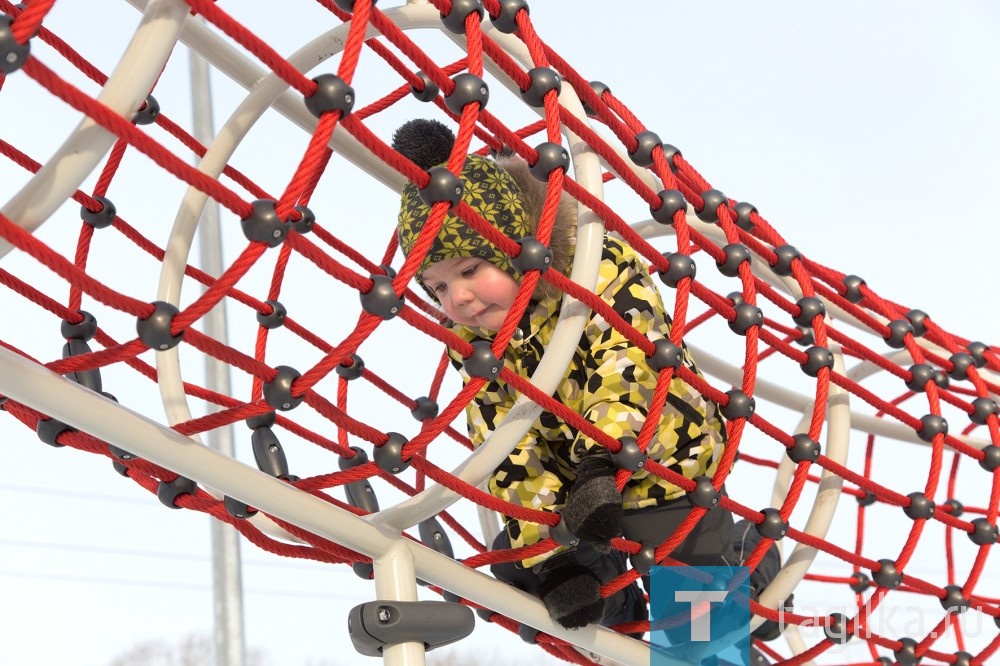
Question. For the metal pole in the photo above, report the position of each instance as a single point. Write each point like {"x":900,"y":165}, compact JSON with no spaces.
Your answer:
{"x":226,"y":568}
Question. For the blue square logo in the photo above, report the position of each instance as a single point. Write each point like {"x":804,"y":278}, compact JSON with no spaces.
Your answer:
{"x":699,"y":615}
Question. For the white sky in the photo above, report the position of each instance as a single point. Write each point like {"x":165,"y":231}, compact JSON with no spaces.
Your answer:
{"x":864,"y":132}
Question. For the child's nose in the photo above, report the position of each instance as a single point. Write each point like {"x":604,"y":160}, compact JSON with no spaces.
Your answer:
{"x":461,"y":295}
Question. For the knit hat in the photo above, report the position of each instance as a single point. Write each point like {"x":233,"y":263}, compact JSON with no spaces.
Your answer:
{"x":489,"y":190}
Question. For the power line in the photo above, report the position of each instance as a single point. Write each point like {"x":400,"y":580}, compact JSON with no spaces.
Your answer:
{"x":284,"y":563}
{"x":172,"y":585}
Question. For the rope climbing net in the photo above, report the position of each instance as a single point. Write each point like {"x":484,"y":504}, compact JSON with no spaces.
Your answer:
{"x":828,"y":388}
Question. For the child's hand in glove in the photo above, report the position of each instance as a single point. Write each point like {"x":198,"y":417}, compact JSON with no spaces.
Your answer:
{"x":570,"y":591}
{"x":593,"y":509}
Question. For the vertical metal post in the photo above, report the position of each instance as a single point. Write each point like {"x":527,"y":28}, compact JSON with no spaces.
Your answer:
{"x":227,"y":584}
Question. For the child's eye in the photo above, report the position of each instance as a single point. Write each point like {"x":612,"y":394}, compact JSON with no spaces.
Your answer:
{"x":468,"y":271}
{"x":438,"y":288}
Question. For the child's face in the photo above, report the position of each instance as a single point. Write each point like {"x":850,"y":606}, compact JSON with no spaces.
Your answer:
{"x":472,"y":291}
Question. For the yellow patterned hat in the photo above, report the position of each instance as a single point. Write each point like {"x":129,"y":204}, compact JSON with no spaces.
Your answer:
{"x":489,"y":190}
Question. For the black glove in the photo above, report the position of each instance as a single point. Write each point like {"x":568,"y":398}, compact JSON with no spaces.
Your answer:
{"x":593,"y":509}
{"x":570,"y":591}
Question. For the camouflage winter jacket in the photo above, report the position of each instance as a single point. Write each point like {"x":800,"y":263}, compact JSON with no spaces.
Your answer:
{"x":609,"y":383}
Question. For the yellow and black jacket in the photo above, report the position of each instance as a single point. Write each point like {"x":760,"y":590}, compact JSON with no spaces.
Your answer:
{"x":610,"y":383}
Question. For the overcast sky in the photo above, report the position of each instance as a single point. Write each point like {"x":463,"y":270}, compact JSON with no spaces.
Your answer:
{"x":864,"y":132}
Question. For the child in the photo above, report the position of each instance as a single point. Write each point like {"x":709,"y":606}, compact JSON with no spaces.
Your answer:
{"x":608,"y":382}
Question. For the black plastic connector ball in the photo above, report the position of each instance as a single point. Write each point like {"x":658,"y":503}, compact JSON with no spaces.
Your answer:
{"x":99,"y":219}
{"x":680,"y":266}
{"x":941,"y":378}
{"x":265,"y":420}
{"x":982,"y":409}
{"x":666,"y":355}
{"x":482,"y":362}
{"x":469,"y":89}
{"x":817,"y":358}
{"x":236,"y":508}
{"x":888,"y":576}
{"x":991,"y":457}
{"x":920,"y":374}
{"x":646,"y":141}
{"x":168,"y":491}
{"x":735,"y":298}
{"x":671,"y":201}
{"x":599,"y":88}
{"x":82,"y":330}
{"x":810,"y":307}
{"x":629,"y":456}
{"x":704,"y":493}
{"x":784,"y":256}
{"x":836,"y":629}
{"x":49,"y":429}
{"x":12,"y":53}
{"x":743,"y":212}
{"x":442,"y":186}
{"x":121,"y":454}
{"x":268,"y":453}
{"x":932,"y":425}
{"x":382,"y":300}
{"x":898,"y":330}
{"x":711,"y":200}
{"x":506,"y":20}
{"x":332,"y":94}
{"x":278,"y":391}
{"x":867,"y":499}
{"x":360,"y":458}
{"x":953,"y":601}
{"x":804,"y":449}
{"x":852,"y":288}
{"x":88,"y":378}
{"x":148,"y":112}
{"x":953,"y":507}
{"x":348,"y":5}
{"x":389,"y":456}
{"x":460,"y":10}
{"x":527,"y":634}
{"x":917,"y":319}
{"x":534,"y":256}
{"x":424,"y":409}
{"x":773,"y":526}
{"x":920,"y":507}
{"x":154,"y":331}
{"x":906,"y":654}
{"x":428,"y":92}
{"x":962,"y":658}
{"x":984,"y":533}
{"x":745,"y":317}
{"x":960,"y":364}
{"x":643,"y":560}
{"x":275,"y":318}
{"x":561,"y":535}
{"x":543,"y":79}
{"x":352,"y":371}
{"x":736,"y":255}
{"x":978,"y":352}
{"x":485,"y":614}
{"x":738,"y":406}
{"x":551,"y":156}
{"x":263,"y":225}
{"x":860,"y":582}
{"x":806,"y":336}
{"x":305,"y":223}
{"x":363,"y":570}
